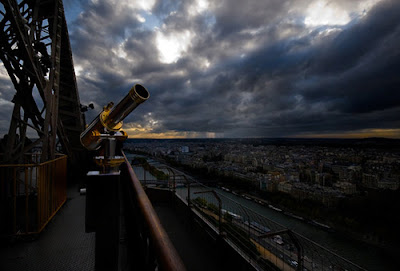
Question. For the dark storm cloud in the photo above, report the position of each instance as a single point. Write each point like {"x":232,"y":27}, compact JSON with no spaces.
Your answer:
{"x":233,"y":16}
{"x":359,"y":68}
{"x":343,"y":82}
{"x":360,"y":40}
{"x":251,"y":68}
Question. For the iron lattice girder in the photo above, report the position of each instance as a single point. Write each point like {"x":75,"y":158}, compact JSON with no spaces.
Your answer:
{"x":34,"y":45}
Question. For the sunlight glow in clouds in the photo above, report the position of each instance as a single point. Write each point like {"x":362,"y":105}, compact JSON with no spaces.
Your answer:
{"x":172,"y":46}
{"x":140,"y":18}
{"x":138,"y":131}
{"x":205,"y":63}
{"x":151,"y":130}
{"x":168,"y":134}
{"x":120,"y":51}
{"x":78,"y":70}
{"x":146,"y":5}
{"x":199,"y":7}
{"x":325,"y":13}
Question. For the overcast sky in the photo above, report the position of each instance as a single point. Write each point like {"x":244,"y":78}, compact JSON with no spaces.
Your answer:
{"x":239,"y":68}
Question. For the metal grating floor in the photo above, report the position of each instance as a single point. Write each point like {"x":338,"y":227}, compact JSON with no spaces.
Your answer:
{"x":63,"y":245}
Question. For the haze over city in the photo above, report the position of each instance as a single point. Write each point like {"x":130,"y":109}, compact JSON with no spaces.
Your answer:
{"x":238,"y":68}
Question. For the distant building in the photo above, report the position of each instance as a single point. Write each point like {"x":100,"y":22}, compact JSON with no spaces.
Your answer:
{"x":370,"y":180}
{"x":285,"y":187}
{"x":184,"y":149}
{"x":346,"y":187}
{"x":293,"y":176}
{"x":341,"y":171}
{"x":388,"y":184}
{"x":320,"y":178}
{"x":268,"y":183}
{"x":254,"y":162}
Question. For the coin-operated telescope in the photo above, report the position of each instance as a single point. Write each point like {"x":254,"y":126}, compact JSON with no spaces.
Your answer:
{"x":103,"y":187}
{"x":104,"y":131}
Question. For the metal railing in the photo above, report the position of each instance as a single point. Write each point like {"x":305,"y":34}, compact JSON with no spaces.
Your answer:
{"x":260,"y":239}
{"x":31,"y":194}
{"x":149,"y":244}
{"x":263,"y":242}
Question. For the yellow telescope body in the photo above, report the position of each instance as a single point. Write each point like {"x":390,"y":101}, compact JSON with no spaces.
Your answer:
{"x":110,"y":119}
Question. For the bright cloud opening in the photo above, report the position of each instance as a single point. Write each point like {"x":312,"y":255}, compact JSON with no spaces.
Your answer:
{"x":205,"y":63}
{"x":120,"y":51}
{"x":146,"y":5}
{"x":172,"y":46}
{"x":141,"y":18}
{"x":199,"y":7}
{"x":78,"y":70}
{"x":325,"y":13}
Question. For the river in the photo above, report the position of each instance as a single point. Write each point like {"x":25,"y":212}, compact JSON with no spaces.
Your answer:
{"x":365,"y":255}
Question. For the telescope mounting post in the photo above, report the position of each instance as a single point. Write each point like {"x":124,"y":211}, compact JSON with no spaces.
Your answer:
{"x":102,"y":187}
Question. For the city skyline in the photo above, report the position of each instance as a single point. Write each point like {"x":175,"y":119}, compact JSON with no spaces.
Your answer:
{"x":238,"y":69}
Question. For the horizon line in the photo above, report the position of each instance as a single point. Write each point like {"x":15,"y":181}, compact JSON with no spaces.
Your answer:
{"x":292,"y":138}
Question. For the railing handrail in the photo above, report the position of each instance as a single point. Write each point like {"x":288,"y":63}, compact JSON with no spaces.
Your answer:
{"x":168,"y":257}
{"x":40,"y":190}
{"x":34,"y":164}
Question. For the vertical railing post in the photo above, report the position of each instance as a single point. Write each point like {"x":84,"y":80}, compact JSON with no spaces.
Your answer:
{"x":38,"y":183}
{"x":248,"y":217}
{"x":188,"y":187}
{"x":26,"y":200}
{"x":40,"y":196}
{"x":219,"y":211}
{"x":173,"y":178}
{"x":219,"y":208}
{"x":174,"y":185}
{"x":144,"y":175}
{"x":14,"y":179}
